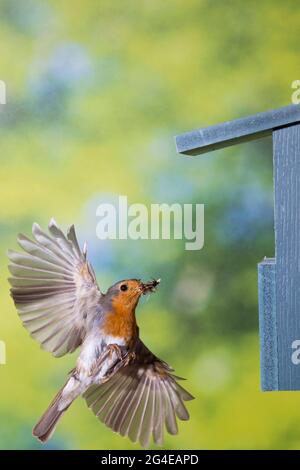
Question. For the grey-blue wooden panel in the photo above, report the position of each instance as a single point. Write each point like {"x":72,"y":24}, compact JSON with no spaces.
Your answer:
{"x":234,"y":132}
{"x":267,"y":325}
{"x":286,"y":154}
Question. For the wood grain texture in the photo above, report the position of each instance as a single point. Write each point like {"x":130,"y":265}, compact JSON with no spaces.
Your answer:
{"x":234,"y":132}
{"x":268,"y":325}
{"x":286,"y":154}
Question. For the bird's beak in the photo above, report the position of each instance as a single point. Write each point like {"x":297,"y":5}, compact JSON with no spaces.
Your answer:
{"x":149,"y":286}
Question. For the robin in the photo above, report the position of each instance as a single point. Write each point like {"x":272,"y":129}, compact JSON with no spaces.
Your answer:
{"x":56,"y":294}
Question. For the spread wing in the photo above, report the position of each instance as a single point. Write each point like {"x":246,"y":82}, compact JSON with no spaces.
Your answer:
{"x":54,"y":288}
{"x":140,"y":399}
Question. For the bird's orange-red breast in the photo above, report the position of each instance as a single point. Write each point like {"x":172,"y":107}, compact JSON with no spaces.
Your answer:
{"x":121,"y":320}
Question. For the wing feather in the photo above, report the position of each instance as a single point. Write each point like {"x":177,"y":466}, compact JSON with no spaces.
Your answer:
{"x":54,"y":288}
{"x":42,"y":252}
{"x":171,"y":423}
{"x":147,"y":424}
{"x":117,"y":401}
{"x":32,"y":261}
{"x":133,"y":430}
{"x":158,"y":427}
{"x":140,"y":399}
{"x":105,"y":407}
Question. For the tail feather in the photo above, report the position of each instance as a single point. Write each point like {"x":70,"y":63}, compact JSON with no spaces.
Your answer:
{"x":44,"y":429}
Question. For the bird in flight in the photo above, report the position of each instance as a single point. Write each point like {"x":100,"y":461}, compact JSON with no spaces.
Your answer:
{"x":56,"y":294}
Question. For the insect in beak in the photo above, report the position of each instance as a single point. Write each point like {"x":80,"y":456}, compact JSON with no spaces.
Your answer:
{"x":149,"y":286}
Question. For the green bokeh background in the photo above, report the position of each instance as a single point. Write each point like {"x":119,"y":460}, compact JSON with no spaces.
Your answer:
{"x":96,"y":91}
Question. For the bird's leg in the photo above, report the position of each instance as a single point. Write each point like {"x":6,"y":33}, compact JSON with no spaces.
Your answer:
{"x":99,"y":361}
{"x":115,"y":348}
{"x":111,"y":348}
{"x":129,"y":357}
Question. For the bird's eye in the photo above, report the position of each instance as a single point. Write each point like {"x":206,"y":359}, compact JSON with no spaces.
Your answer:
{"x":124,"y":287}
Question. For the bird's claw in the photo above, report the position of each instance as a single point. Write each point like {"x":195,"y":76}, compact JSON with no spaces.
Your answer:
{"x":130,"y":357}
{"x":111,"y":349}
{"x":115,"y":348}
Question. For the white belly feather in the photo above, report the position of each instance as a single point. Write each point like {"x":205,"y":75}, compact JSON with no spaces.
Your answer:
{"x":92,"y":348}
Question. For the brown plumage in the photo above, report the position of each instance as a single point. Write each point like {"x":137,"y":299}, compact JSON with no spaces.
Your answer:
{"x":45,"y":427}
{"x":59,"y":302}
